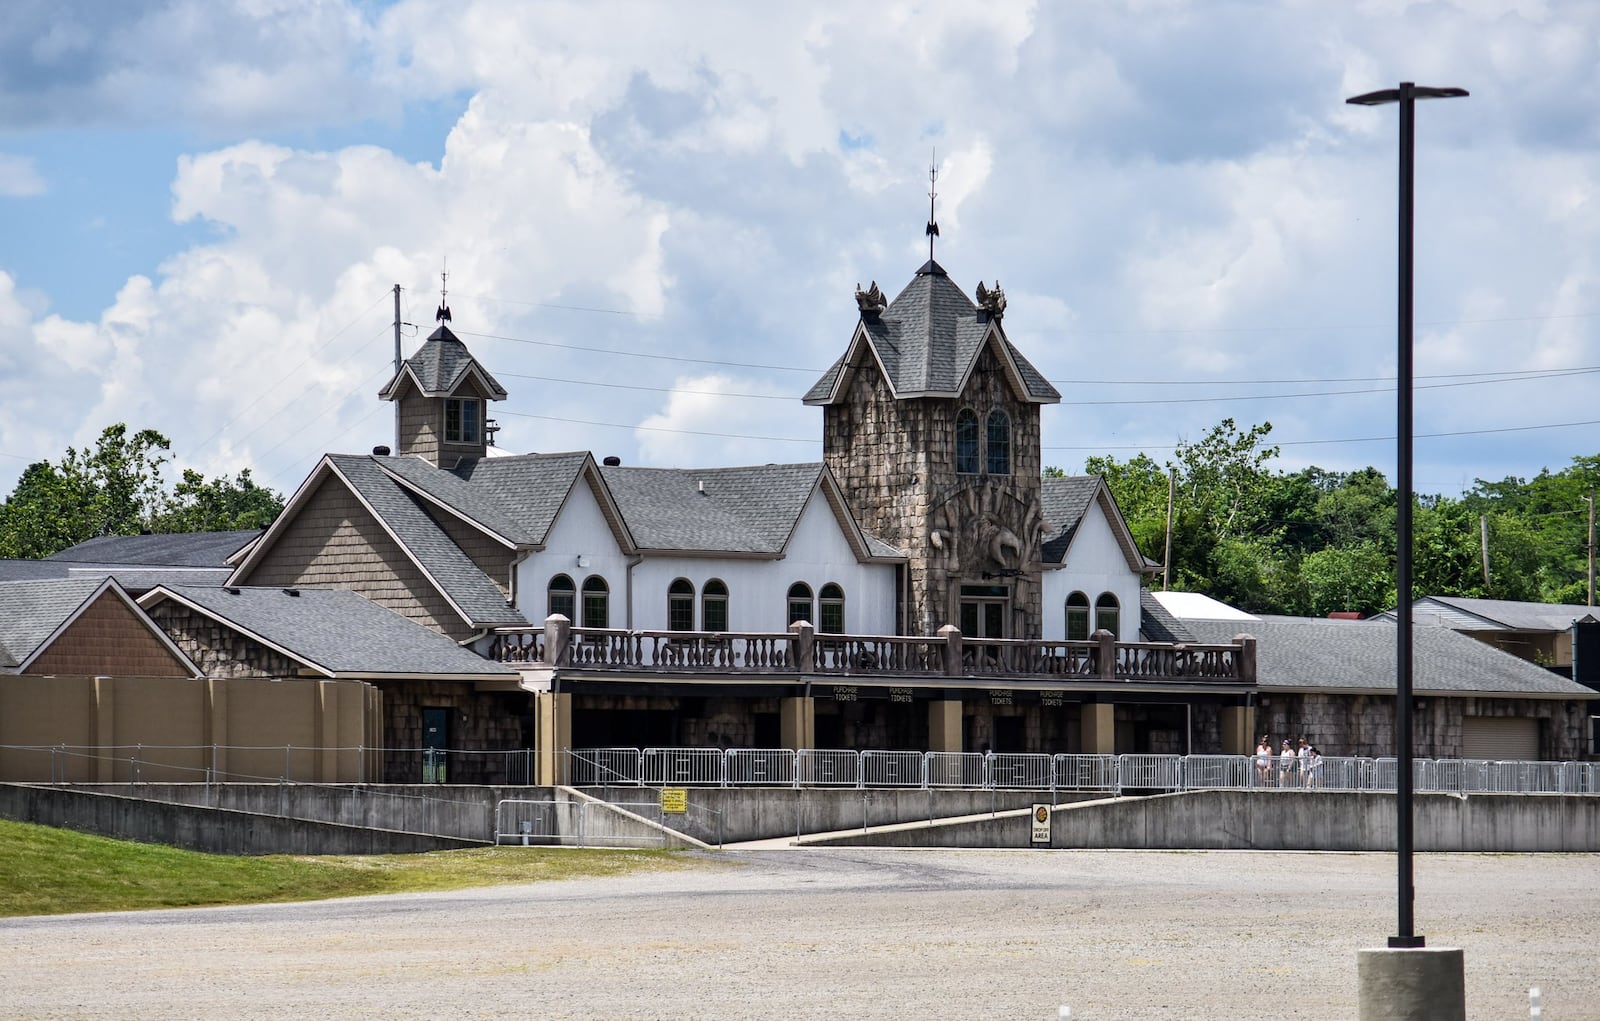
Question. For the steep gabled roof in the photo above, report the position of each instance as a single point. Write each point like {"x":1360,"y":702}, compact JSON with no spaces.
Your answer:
{"x":135,"y":578}
{"x":335,"y":633}
{"x":927,"y":342}
{"x":1313,"y":654}
{"x":477,"y":598}
{"x":33,"y":614}
{"x":1064,"y":501}
{"x":403,"y":515}
{"x":528,"y":488}
{"x":439,"y":368}
{"x":748,"y":511}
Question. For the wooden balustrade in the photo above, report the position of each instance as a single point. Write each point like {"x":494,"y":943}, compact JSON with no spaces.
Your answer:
{"x":800,"y":651}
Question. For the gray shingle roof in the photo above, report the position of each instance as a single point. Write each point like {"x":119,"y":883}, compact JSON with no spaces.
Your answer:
{"x":529,"y":488}
{"x":182,"y":549}
{"x":454,"y":572}
{"x":736,"y":510}
{"x":1508,"y":614}
{"x":471,"y":501}
{"x":1306,"y":653}
{"x":927,"y":340}
{"x":1062,"y":503}
{"x":439,"y":365}
{"x":1158,"y":624}
{"x":340,"y":631}
{"x":31,"y":611}
{"x":135,"y":578}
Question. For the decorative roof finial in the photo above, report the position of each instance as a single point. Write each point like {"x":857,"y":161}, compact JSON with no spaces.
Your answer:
{"x":933,"y":180}
{"x":443,"y":314}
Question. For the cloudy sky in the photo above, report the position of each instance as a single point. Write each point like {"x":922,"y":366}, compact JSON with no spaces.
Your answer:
{"x":654,"y":217}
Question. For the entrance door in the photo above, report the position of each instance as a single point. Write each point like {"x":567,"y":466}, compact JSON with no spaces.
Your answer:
{"x":983,"y":610}
{"x":435,"y":744}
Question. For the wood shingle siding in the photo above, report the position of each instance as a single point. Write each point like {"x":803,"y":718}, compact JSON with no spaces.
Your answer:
{"x":109,"y":638}
{"x":489,"y":556}
{"x":335,"y":543}
{"x":217,"y":649}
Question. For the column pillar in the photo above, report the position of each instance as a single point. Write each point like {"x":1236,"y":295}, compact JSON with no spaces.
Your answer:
{"x":103,"y":730}
{"x":217,"y":727}
{"x":1099,"y":728}
{"x":944,"y":725}
{"x":552,"y":736}
{"x":797,"y":722}
{"x":1238,"y":730}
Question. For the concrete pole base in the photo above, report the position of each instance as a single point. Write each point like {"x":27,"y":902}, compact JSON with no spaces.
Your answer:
{"x":1421,"y":984}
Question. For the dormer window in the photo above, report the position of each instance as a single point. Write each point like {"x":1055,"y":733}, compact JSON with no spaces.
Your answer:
{"x":463,"y":420}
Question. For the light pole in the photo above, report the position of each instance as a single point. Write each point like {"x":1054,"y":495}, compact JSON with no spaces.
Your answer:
{"x":1406,"y":95}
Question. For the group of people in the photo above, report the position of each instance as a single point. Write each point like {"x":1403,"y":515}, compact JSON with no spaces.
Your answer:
{"x":1297,"y":764}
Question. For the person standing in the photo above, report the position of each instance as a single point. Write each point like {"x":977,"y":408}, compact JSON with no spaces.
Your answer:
{"x":1311,"y":766}
{"x":1286,"y":764}
{"x":1264,"y":762}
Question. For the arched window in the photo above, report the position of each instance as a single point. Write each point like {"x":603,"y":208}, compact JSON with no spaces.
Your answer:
{"x":967,"y":442}
{"x":831,"y":607}
{"x":714,"y":606}
{"x":799,"y":602}
{"x":999,"y":445}
{"x":596,"y":602}
{"x":1077,"y":617}
{"x":561,"y":596}
{"x":1106,"y":614}
{"x":680,"y":605}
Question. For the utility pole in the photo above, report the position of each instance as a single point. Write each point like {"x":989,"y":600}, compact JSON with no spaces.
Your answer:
{"x":1166,"y":569}
{"x":1483,"y":533}
{"x":397,"y":364}
{"x":1590,"y":498}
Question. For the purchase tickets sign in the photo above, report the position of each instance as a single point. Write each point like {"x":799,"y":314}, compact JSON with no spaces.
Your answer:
{"x":1041,"y":824}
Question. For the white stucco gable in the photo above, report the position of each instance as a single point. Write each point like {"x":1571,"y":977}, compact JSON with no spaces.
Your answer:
{"x":1095,"y":563}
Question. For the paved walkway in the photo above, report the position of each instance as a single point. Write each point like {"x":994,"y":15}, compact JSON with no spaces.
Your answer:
{"x":829,"y":933}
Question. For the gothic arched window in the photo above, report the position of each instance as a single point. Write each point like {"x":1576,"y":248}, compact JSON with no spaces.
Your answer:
{"x":1077,"y":617}
{"x":967,"y":442}
{"x":561,"y":596}
{"x":999,"y":445}
{"x":714,"y":606}
{"x":799,"y":602}
{"x":1106,"y":614}
{"x":596,"y":602}
{"x":831,"y":600}
{"x":680,"y":605}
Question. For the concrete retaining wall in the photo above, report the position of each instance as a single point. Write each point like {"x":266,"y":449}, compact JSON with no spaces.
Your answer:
{"x":1277,"y":821}
{"x":214,"y":830}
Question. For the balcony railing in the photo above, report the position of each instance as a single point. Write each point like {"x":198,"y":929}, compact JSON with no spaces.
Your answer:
{"x":801,"y":651}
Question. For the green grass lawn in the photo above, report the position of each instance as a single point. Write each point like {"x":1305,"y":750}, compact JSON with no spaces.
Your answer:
{"x":49,"y":871}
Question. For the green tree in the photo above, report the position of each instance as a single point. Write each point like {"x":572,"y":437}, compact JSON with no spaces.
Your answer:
{"x":1224,"y":476}
{"x":112,"y":489}
{"x":219,"y":505}
{"x":1356,"y":578}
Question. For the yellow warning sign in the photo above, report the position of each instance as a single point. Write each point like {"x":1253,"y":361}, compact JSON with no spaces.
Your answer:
{"x":674,"y":801}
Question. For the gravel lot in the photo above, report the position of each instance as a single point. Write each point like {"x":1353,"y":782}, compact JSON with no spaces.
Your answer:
{"x":843,"y":933}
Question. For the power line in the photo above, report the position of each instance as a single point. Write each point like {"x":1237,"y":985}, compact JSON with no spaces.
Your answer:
{"x":636,"y":354}
{"x":1350,"y":439}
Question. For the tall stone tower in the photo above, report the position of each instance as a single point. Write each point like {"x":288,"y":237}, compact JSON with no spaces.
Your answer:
{"x":443,"y":396}
{"x":931,"y":426}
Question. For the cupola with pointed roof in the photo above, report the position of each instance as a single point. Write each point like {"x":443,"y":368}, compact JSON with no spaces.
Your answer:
{"x":442,"y":395}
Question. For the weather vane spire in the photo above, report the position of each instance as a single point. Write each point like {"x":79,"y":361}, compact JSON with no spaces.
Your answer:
{"x":443,"y":315}
{"x":933,"y":181}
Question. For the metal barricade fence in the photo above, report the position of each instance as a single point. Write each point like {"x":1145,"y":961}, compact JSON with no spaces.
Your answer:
{"x":892,"y":769}
{"x":1151,"y":772}
{"x":827,"y":767}
{"x":1339,"y":773}
{"x":1021,"y":772}
{"x":1217,"y":772}
{"x":604,"y":767}
{"x":1086,"y":772}
{"x":954,"y":769}
{"x":760,"y":767}
{"x":683,"y":767}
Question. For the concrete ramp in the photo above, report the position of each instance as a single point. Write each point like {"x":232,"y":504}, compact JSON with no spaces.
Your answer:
{"x":1263,"y":821}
